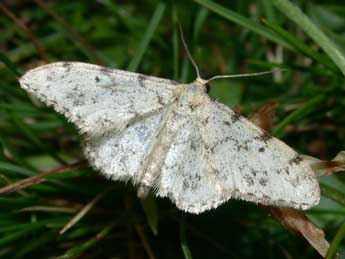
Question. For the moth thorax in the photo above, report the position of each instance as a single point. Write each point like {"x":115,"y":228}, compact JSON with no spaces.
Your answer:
{"x":200,"y":82}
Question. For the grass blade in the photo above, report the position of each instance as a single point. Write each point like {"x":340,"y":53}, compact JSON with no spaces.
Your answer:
{"x":295,"y":14}
{"x":333,"y":194}
{"x":84,"y":211}
{"x":78,"y":250}
{"x":139,"y":53}
{"x":300,"y":46}
{"x":183,"y":239}
{"x":10,"y":65}
{"x":297,"y":114}
{"x":243,"y":21}
{"x":151,"y":212}
{"x":336,"y":242}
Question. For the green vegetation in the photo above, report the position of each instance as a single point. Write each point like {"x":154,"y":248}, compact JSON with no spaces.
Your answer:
{"x":64,"y":209}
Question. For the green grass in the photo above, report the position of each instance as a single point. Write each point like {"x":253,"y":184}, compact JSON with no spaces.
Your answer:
{"x":105,"y":219}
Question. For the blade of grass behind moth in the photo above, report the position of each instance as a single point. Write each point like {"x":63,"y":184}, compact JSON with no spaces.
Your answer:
{"x":144,"y":241}
{"x":332,"y":194}
{"x":22,"y":26}
{"x":13,"y":155}
{"x":154,"y":22}
{"x":27,"y":50}
{"x":132,"y":217}
{"x":85,"y":210}
{"x":36,"y":179}
{"x":301,"y":46}
{"x":78,"y":250}
{"x":200,"y":20}
{"x":308,"y":107}
{"x":10,"y":237}
{"x":123,"y":18}
{"x":295,"y":14}
{"x":151,"y":211}
{"x":243,"y":21}
{"x":269,"y":10}
{"x":336,"y":242}
{"x":10,"y":65}
{"x":175,"y":41}
{"x":75,"y":35}
{"x":51,"y":223}
{"x":9,"y":169}
{"x":81,"y":232}
{"x":35,"y":243}
{"x":185,"y":68}
{"x":26,"y":131}
{"x":183,"y":239}
{"x":15,"y":202}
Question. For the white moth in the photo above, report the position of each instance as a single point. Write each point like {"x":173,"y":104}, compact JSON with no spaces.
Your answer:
{"x":173,"y":138}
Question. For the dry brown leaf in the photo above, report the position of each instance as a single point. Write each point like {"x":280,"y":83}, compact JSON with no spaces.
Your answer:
{"x":297,"y":222}
{"x":325,"y":167}
{"x":263,"y":116}
{"x":37,"y":178}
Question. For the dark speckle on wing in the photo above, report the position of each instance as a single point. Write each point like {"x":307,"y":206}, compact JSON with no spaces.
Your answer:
{"x":264,"y":137}
{"x":141,"y":79}
{"x":235,"y":117}
{"x":68,"y":66}
{"x":296,"y":160}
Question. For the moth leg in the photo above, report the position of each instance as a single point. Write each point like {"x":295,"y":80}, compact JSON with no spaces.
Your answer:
{"x":143,"y":191}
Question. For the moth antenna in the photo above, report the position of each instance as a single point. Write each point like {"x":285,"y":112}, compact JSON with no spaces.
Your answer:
{"x":188,"y":53}
{"x":246,"y":75}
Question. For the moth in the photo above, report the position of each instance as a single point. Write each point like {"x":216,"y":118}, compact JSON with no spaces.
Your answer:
{"x":173,"y":138}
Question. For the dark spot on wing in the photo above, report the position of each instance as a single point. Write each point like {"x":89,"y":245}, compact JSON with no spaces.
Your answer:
{"x":263,"y":181}
{"x":253,"y":172}
{"x":227,"y":123}
{"x":160,"y":100}
{"x":185,"y":185}
{"x":242,"y":145}
{"x":141,"y":79}
{"x":206,"y":120}
{"x":215,"y":172}
{"x":49,"y":78}
{"x":249,"y":179}
{"x":261,"y":150}
{"x":266,"y":197}
{"x":53,"y":102}
{"x":97,"y":79}
{"x":68,"y":66}
{"x":193,"y":145}
{"x":251,"y":194}
{"x":173,"y":82}
{"x":264,"y":137}
{"x":106,"y":70}
{"x":296,"y":160}
{"x":235,"y":117}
